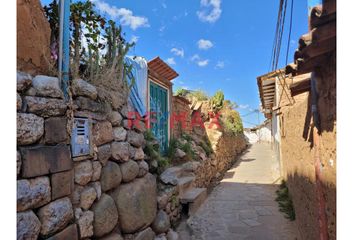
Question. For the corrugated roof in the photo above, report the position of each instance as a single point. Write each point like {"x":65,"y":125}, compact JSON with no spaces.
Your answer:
{"x":162,"y":69}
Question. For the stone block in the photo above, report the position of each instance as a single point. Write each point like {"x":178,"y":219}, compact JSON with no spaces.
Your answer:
{"x":114,"y":236}
{"x":88,"y":196}
{"x":137,"y":203}
{"x":106,"y":216}
{"x":55,"y":216}
{"x":47,"y":86}
{"x":45,"y":107}
{"x":115,"y":118}
{"x":83,"y":88}
{"x":111,"y":176}
{"x":55,"y":130}
{"x":19,"y":102}
{"x":41,"y":160}
{"x":102,"y":133}
{"x":28,"y":226}
{"x":146,"y":234}
{"x":97,"y":168}
{"x":104,"y":152}
{"x":97,"y":187}
{"x":83,"y":172}
{"x":62,"y":184}
{"x":32,"y":193}
{"x":130,"y":170}
{"x":120,"y":151}
{"x":119,"y":134}
{"x":136,"y":139}
{"x":143,"y":168}
{"x":84,"y":220}
{"x":68,"y":233}
{"x":18,"y":162}
{"x":24,"y":81}
{"x":161,"y":223}
{"x":84,"y":103}
{"x":139,"y":154}
{"x":30,"y":128}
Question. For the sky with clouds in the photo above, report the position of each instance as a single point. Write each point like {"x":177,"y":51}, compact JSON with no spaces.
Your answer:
{"x":212,"y":44}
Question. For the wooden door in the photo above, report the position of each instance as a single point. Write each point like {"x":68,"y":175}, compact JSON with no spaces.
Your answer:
{"x":159,"y":114}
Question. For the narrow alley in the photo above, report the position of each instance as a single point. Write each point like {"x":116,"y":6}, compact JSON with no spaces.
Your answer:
{"x":242,"y":206}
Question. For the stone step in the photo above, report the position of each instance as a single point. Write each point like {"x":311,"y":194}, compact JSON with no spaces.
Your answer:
{"x":184,"y":184}
{"x":194,"y":197}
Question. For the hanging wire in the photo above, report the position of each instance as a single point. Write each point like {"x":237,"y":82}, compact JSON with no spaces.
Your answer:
{"x":290,"y":28}
{"x":278,"y":34}
{"x":271,"y":64}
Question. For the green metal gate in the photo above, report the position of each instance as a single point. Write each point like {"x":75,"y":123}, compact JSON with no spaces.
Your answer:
{"x":159,"y":114}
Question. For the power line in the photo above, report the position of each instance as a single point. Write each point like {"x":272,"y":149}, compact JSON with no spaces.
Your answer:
{"x":290,"y":28}
{"x":278,"y":34}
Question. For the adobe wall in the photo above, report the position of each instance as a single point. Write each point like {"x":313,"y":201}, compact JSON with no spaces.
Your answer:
{"x":298,"y":167}
{"x":33,"y":38}
{"x":107,"y":194}
{"x":180,"y":107}
{"x":298,"y":154}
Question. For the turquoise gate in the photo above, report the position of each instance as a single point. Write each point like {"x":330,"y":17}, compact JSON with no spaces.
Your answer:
{"x":159,"y":114}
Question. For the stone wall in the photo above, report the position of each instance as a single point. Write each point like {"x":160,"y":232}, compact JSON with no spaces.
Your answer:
{"x":107,"y":194}
{"x":226,"y":147}
{"x":180,"y":108}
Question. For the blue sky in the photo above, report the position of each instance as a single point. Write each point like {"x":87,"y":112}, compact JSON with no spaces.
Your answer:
{"x":217,"y":44}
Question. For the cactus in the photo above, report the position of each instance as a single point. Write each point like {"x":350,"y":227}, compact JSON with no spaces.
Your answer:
{"x":217,"y":101}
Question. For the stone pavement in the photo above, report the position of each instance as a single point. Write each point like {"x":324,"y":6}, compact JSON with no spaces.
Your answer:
{"x":242,"y":206}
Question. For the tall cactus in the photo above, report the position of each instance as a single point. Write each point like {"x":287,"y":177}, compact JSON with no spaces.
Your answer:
{"x":217,"y":101}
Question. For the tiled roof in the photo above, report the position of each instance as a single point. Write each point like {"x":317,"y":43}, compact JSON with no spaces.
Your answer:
{"x":314,"y":47}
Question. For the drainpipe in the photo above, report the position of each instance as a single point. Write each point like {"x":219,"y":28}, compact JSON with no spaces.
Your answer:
{"x":64,"y":49}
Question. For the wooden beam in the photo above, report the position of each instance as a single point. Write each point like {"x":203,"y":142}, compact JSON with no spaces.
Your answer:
{"x":318,"y":48}
{"x":300,"y":86}
{"x":322,"y":14}
{"x":310,"y":64}
{"x":324,"y":32}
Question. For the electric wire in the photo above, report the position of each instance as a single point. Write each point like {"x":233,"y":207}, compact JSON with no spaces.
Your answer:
{"x":290,"y":29}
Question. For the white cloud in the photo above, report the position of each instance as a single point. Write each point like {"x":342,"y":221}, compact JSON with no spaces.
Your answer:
{"x":171,"y":61}
{"x":220,"y":64}
{"x":203,"y":63}
{"x":164,"y":5}
{"x":243,"y":106}
{"x":212,"y":15}
{"x":200,"y":62}
{"x":204,"y":44}
{"x":125,"y":16}
{"x":178,"y":52}
{"x":195,"y":57}
{"x":162,"y":28}
{"x":134,"y":39}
